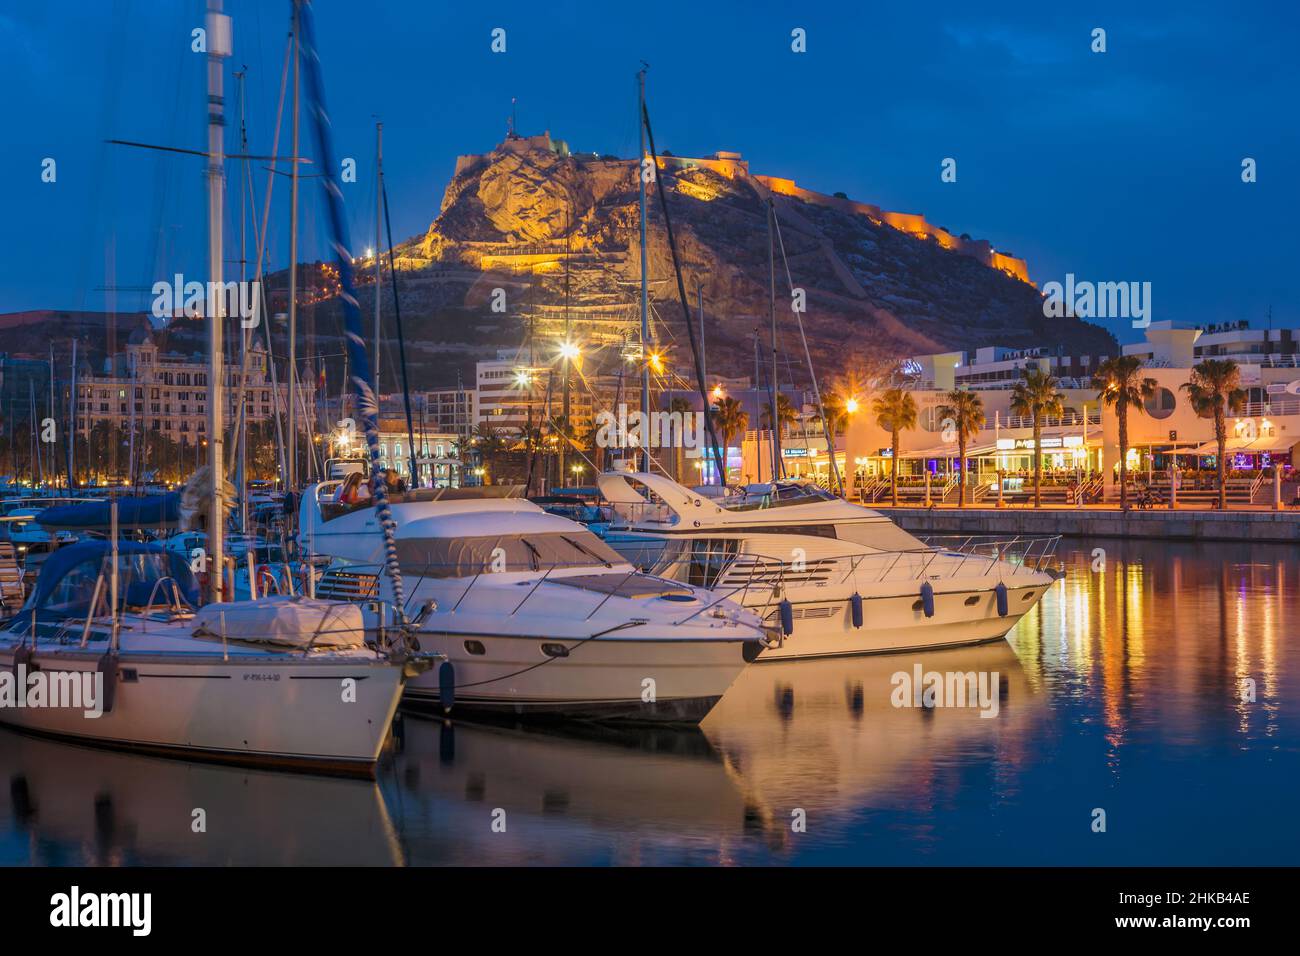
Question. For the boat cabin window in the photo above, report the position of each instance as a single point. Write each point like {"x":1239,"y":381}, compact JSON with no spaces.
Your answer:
{"x":465,"y":557}
{"x":709,"y":559}
{"x":879,"y":535}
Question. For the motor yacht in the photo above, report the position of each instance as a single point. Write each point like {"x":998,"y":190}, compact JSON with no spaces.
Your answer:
{"x":281,"y":681}
{"x":535,"y":614}
{"x":838,"y":578}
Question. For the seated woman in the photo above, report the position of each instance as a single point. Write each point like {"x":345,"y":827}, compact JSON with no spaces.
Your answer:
{"x":354,"y":490}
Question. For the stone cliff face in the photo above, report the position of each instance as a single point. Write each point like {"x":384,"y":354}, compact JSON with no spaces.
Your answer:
{"x":549,"y":227}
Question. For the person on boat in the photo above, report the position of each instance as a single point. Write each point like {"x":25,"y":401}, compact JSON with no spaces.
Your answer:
{"x":393,"y":482}
{"x":354,"y":490}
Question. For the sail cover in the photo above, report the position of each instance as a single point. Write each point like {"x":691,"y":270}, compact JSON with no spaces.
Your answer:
{"x":289,"y":621}
{"x":142,"y":512}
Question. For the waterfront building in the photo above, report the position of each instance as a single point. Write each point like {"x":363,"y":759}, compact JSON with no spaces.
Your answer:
{"x":167,"y":393}
{"x":1082,"y":445}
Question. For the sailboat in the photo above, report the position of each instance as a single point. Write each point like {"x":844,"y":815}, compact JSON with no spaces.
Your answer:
{"x":112,"y":647}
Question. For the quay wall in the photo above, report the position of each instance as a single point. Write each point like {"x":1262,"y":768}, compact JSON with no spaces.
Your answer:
{"x":1262,"y":526}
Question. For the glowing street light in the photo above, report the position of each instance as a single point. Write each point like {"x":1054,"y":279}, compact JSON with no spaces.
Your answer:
{"x":523,"y":378}
{"x":570,"y":351}
{"x":717,"y":392}
{"x":656,"y":362}
{"x":851,"y":405}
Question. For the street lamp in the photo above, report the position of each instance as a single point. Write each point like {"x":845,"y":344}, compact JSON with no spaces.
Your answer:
{"x":851,"y":405}
{"x":570,"y":351}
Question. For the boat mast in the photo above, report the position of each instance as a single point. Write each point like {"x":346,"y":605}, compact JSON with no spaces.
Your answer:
{"x":72,"y":421}
{"x":771,"y":278}
{"x":645,"y":290}
{"x":704,"y":357}
{"x":293,"y":272}
{"x":379,"y":200}
{"x":242,"y":415}
{"x":219,"y":40}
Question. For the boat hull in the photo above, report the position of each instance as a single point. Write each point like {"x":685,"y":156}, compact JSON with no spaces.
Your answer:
{"x":652,"y":681}
{"x":894,"y":624}
{"x":276,"y":710}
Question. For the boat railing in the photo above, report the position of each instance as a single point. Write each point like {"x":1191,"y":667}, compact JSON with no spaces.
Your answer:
{"x":1035,"y":552}
{"x":973,"y":557}
{"x":175,"y":606}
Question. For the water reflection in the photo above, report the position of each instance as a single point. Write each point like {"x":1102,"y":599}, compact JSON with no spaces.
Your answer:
{"x":1128,"y":688}
{"x":73,"y":805}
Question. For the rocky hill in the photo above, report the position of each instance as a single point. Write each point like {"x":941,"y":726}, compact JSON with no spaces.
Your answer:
{"x":551,"y":228}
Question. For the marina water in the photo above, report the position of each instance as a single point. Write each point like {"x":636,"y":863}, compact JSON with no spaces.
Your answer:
{"x":1156,"y":684}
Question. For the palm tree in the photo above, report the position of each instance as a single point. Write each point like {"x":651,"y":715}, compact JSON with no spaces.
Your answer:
{"x":1119,"y":383}
{"x":730,"y":419}
{"x":895,"y":410}
{"x":785,"y":412}
{"x":487,"y":444}
{"x":966,"y":410}
{"x":836,"y":406}
{"x":1036,"y":396}
{"x":1215,"y":385}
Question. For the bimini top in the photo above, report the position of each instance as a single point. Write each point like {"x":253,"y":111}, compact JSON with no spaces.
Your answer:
{"x":66,"y":585}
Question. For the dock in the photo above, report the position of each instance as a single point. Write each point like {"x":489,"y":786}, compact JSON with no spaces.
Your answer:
{"x":1157,"y":524}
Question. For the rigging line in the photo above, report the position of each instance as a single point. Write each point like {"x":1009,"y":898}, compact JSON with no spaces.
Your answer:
{"x":259,"y":240}
{"x":681,"y":293}
{"x":817,"y":395}
{"x":401,"y":341}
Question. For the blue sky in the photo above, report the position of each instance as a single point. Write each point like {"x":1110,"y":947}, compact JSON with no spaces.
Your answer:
{"x":1122,"y":166}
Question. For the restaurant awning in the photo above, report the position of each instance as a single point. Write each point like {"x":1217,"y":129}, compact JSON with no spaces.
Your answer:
{"x":948,"y":451}
{"x":1250,"y":446}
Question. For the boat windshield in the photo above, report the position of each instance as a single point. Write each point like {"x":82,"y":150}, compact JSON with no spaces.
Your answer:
{"x":67,"y":584}
{"x":465,"y":557}
{"x":778,"y":496}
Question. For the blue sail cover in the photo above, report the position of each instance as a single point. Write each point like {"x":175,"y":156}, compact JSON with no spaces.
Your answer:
{"x":66,"y":583}
{"x":143,"y":512}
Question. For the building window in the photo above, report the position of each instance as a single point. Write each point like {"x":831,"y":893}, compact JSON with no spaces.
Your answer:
{"x":1161,"y":404}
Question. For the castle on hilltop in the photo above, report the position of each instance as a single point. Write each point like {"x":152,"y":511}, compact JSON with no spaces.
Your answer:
{"x":734,"y":167}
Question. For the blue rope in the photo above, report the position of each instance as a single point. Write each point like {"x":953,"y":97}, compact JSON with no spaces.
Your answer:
{"x":358,"y":359}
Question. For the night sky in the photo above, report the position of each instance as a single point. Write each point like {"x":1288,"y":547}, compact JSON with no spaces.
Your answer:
{"x":1122,"y":166}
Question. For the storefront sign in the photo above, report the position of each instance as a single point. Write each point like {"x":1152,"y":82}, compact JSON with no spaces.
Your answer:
{"x":1027,"y":444}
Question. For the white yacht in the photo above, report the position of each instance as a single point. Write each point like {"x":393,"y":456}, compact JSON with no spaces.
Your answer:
{"x":535,"y":614}
{"x":284,"y":682}
{"x":836,"y":577}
